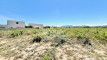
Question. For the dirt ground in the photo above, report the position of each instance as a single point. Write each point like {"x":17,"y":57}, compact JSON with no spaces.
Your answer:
{"x":21,"y":48}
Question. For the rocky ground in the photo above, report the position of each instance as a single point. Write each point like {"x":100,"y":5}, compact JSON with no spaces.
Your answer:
{"x":26,"y":48}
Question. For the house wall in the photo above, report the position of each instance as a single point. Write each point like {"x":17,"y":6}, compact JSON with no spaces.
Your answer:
{"x":15,"y":24}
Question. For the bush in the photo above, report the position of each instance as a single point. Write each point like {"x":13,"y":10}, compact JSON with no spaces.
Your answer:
{"x":37,"y":39}
{"x":47,"y":27}
{"x":58,"y":41}
{"x":15,"y":34}
{"x":87,"y":42}
{"x":47,"y":57}
{"x":28,"y":26}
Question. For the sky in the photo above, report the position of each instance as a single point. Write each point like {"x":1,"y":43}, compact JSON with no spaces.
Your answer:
{"x":55,"y":12}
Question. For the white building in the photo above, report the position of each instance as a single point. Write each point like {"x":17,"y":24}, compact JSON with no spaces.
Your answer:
{"x":15,"y":24}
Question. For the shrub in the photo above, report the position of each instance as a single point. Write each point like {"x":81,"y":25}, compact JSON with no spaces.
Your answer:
{"x":16,"y":33}
{"x":47,"y":57}
{"x":87,"y":42}
{"x":28,"y":26}
{"x":58,"y":41}
{"x":37,"y":39}
{"x":47,"y":27}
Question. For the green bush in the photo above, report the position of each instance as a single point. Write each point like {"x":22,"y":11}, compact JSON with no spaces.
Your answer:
{"x":16,"y":33}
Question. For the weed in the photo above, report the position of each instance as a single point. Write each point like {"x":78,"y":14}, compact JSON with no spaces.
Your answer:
{"x":47,"y":57}
{"x":15,"y":34}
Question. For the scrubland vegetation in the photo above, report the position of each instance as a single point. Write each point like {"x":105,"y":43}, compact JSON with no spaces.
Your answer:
{"x":53,"y":44}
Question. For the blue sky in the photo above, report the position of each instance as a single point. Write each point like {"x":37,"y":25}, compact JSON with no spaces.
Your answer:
{"x":55,"y":12}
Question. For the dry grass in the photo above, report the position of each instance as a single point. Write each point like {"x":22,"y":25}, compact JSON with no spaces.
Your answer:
{"x":19,"y":46}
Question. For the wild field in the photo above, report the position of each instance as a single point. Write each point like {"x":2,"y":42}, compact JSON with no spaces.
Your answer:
{"x":53,"y":44}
